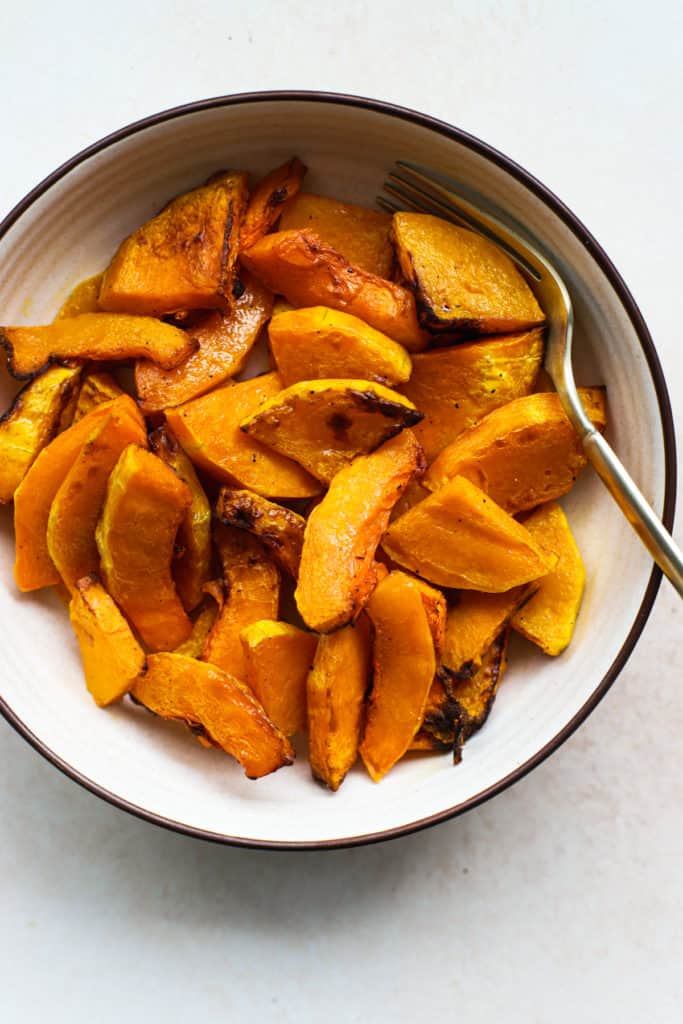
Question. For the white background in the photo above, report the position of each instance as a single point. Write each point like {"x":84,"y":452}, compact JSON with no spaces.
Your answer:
{"x":560,"y":900}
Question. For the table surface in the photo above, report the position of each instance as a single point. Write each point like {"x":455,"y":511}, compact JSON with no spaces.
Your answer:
{"x":563,"y":896}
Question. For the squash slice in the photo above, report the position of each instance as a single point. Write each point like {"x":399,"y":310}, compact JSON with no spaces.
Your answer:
{"x":31,"y":422}
{"x":324,"y":424}
{"x":522,"y":454}
{"x":97,"y":388}
{"x":266,"y":201}
{"x":473,"y":623}
{"x":298,"y":265}
{"x":278,"y":658}
{"x":459,"y":537}
{"x":145,"y":504}
{"x":359,"y":234}
{"x":317,"y":343}
{"x":280,"y":529}
{"x":201,"y":627}
{"x":82,"y":299}
{"x":100,"y":336}
{"x":112,"y":657}
{"x":208,"y":428}
{"x":184,"y":258}
{"x":463,"y":283}
{"x":337,"y":572}
{"x":202,"y":695}
{"x":335,"y":691}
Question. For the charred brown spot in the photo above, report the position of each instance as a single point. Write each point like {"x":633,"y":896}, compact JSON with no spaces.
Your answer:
{"x":371,"y":402}
{"x":339,"y":423}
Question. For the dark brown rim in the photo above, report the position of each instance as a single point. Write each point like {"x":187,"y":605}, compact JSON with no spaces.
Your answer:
{"x":610,"y":271}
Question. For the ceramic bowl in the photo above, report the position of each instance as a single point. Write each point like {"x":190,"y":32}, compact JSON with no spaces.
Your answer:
{"x":67,"y":228}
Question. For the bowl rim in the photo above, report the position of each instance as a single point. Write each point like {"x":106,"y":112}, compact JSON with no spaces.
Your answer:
{"x":666,"y":418}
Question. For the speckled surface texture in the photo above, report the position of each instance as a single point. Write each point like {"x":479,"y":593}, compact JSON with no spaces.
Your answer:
{"x":561,"y":899}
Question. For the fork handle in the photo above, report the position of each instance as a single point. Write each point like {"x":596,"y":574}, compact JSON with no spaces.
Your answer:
{"x":623,"y":489}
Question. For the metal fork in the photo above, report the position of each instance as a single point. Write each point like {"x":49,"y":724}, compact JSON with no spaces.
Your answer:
{"x":412,"y":187}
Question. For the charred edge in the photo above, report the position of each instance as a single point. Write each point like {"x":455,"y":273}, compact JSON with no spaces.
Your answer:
{"x":9,"y":350}
{"x":226,"y":263}
{"x":339,"y":423}
{"x":279,"y":196}
{"x":369,"y":401}
{"x":15,"y":407}
{"x":162,"y":440}
{"x":242,"y":513}
{"x":450,"y":676}
{"x":459,"y":328}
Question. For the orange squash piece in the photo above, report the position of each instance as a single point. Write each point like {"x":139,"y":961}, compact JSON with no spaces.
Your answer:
{"x":112,"y":657}
{"x":522,"y":454}
{"x":280,"y":529}
{"x":459,"y":537}
{"x":224,"y":340}
{"x":474,"y":621}
{"x":201,"y":627}
{"x":298,"y":265}
{"x":82,"y":299}
{"x":335,"y":693}
{"x":31,"y":422}
{"x":435,"y":607}
{"x":144,"y":507}
{"x":359,"y":234}
{"x":252,"y":585}
{"x":548,"y":619}
{"x":278,"y":657}
{"x":404,"y":664}
{"x":78,"y":503}
{"x":266,"y":201}
{"x":325,"y":424}
{"x":455,"y":387}
{"x":464,"y":284}
{"x":96,"y":389}
{"x":184,"y":258}
{"x":192,"y":561}
{"x":33,"y":498}
{"x":317,"y":343}
{"x":208,"y":428}
{"x":337,"y":573}
{"x":100,"y":336}
{"x":201,"y":695}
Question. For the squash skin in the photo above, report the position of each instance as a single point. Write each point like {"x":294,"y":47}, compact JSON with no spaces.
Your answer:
{"x":112,"y":657}
{"x":278,"y":657}
{"x":99,"y":336}
{"x":459,"y":537}
{"x":523,"y":454}
{"x":280,"y":529}
{"x":97,"y":388}
{"x":181,"y":688}
{"x":337,"y":572}
{"x":404,"y":665}
{"x":464,"y":284}
{"x":473,"y":623}
{"x":184,"y":258}
{"x":317,"y":343}
{"x":455,"y":387}
{"x":224,"y":341}
{"x":82,"y":298}
{"x":208,"y":430}
{"x":31,"y":422}
{"x":325,"y":424}
{"x":360,"y":235}
{"x":252,"y":593}
{"x":144,"y":507}
{"x":549,"y":618}
{"x":335,"y":696}
{"x":266,"y":202}
{"x":298,"y":265}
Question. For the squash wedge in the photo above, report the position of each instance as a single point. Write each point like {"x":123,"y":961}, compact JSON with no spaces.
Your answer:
{"x":359,"y":234}
{"x":474,"y":621}
{"x":324,"y":424}
{"x":266,"y":201}
{"x":280,"y":529}
{"x":97,"y":388}
{"x":278,"y":657}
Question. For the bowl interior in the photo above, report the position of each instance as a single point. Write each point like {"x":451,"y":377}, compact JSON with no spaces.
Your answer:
{"x":70,"y":232}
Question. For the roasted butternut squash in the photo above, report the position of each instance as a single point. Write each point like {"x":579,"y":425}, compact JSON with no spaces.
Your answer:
{"x":31,"y":422}
{"x":359,"y":234}
{"x":145,"y":504}
{"x":337,"y":574}
{"x":454,"y":387}
{"x":404,"y":664}
{"x":463,"y":283}
{"x":224,"y":340}
{"x":96,"y":389}
{"x":548,"y":619}
{"x":109,"y":336}
{"x":198,"y":694}
{"x":278,"y":657}
{"x":208,"y":428}
{"x":522,"y":454}
{"x":252,"y":587}
{"x":435,"y":607}
{"x":184,"y":258}
{"x":324,"y":424}
{"x":459,"y":537}
{"x":280,"y":529}
{"x":112,"y":657}
{"x":474,"y":621}
{"x":201,"y":626}
{"x":82,"y":299}
{"x":335,"y":694}
{"x":266,"y":201}
{"x":298,"y":265}
{"x":192,"y":560}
